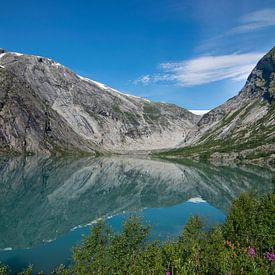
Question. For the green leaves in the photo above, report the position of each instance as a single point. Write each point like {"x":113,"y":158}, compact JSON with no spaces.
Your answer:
{"x":252,"y":222}
{"x":4,"y":270}
{"x":220,"y":250}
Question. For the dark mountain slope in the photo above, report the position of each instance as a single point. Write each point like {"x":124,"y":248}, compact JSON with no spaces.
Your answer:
{"x":241,"y":128}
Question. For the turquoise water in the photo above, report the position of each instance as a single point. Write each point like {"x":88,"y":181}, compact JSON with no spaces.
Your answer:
{"x":46,"y":205}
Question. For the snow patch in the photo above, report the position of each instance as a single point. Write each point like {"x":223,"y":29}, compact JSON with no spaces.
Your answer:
{"x":96,"y":221}
{"x":48,"y":241}
{"x":17,"y":54}
{"x":199,"y":112}
{"x":109,"y":89}
{"x":88,"y":224}
{"x":2,"y":54}
{"x":6,"y":249}
{"x":196,"y":200}
{"x":56,"y":64}
{"x":14,"y":53}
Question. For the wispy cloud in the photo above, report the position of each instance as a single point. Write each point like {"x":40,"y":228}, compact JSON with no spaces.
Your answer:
{"x":213,"y":67}
{"x":205,"y":69}
{"x":144,"y":79}
{"x":249,"y":24}
{"x":255,"y":20}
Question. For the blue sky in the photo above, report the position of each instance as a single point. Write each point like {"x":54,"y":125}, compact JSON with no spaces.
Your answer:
{"x":193,"y":53}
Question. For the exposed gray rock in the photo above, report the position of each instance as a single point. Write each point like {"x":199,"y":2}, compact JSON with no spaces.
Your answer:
{"x":45,"y":108}
{"x":246,"y":121}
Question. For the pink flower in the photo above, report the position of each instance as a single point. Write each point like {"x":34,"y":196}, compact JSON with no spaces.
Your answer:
{"x":270,"y":256}
{"x":251,"y":251}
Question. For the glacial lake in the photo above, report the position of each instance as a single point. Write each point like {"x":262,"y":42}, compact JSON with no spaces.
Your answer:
{"x":47,"y":204}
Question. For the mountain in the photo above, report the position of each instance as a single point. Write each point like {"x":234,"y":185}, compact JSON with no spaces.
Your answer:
{"x":56,"y":194}
{"x":243,"y":127}
{"x":46,"y":108}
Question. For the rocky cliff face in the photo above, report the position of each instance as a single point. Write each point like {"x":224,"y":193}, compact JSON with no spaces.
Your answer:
{"x":45,"y":107}
{"x":244,"y":126}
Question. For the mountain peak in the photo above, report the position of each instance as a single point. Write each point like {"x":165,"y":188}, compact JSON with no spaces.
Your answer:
{"x":267,"y":64}
{"x":260,"y":83}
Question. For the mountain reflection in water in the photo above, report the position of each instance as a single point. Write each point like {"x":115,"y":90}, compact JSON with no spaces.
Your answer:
{"x":44,"y":198}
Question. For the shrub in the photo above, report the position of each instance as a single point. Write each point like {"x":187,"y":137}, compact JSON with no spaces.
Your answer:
{"x":243,"y":245}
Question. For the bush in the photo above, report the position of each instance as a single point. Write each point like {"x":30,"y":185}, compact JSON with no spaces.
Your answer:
{"x":4,"y":270}
{"x":238,"y":247}
{"x":251,"y":222}
{"x":243,"y":245}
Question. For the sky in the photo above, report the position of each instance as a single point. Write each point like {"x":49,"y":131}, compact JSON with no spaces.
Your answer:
{"x":196,"y":54}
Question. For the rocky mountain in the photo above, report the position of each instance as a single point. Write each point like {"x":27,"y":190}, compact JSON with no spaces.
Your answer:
{"x":243,"y":127}
{"x":46,"y":108}
{"x":54,"y":195}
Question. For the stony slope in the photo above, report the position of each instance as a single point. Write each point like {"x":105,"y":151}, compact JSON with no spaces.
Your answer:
{"x":243,"y":127}
{"x":46,"y":108}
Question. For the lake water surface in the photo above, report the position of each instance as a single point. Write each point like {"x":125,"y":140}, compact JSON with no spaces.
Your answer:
{"x":46,"y":205}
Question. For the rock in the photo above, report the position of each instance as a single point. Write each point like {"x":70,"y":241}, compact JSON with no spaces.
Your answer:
{"x":244,"y":126}
{"x":2,"y":50}
{"x":46,"y":108}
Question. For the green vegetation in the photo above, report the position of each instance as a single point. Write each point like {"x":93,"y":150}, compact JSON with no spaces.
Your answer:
{"x":204,"y":150}
{"x":151,"y":111}
{"x":248,"y":142}
{"x":243,"y":245}
{"x":208,"y":148}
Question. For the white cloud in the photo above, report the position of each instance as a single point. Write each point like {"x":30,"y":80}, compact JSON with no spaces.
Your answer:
{"x":248,"y":24}
{"x":255,"y":20}
{"x":211,"y":68}
{"x":144,"y":79}
{"x":205,"y":69}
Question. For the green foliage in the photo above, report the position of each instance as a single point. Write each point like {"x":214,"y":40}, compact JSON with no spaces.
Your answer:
{"x":237,"y":247}
{"x":252,"y":222}
{"x":247,"y":143}
{"x":4,"y":270}
{"x":205,"y":150}
{"x":104,"y":252}
{"x":26,"y":271}
{"x":240,"y":223}
{"x":90,"y":255}
{"x":220,"y":250}
{"x":61,"y":270}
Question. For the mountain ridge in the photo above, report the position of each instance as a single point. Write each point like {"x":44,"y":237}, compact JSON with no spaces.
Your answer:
{"x":242,"y":128}
{"x":47,"y":108}
{"x":70,"y":113}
